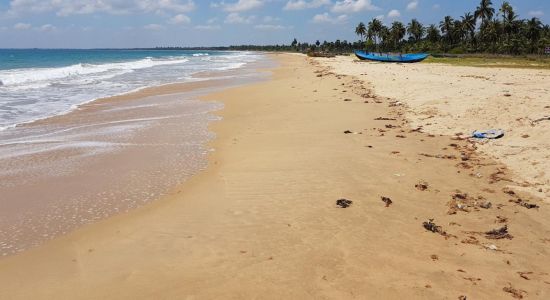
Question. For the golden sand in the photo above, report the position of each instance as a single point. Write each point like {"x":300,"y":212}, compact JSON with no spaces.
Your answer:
{"x":450,"y":100}
{"x":261,"y":221}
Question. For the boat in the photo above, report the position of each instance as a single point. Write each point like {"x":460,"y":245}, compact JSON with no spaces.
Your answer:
{"x":386,"y":57}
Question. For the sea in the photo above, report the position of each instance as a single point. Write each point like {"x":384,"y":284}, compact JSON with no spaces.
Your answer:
{"x":71,"y":154}
{"x":39,"y":83}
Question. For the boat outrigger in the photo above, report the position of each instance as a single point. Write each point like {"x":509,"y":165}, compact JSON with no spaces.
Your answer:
{"x":383,"y":57}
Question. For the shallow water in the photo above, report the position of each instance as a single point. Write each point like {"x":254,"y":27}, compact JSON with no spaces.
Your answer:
{"x":41,"y":83}
{"x":106,"y":157}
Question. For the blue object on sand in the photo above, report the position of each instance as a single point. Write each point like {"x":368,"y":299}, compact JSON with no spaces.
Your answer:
{"x":386,"y":57}
{"x":488,"y":134}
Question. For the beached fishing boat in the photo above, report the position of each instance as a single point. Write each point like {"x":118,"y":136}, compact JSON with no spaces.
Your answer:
{"x":385,"y":57}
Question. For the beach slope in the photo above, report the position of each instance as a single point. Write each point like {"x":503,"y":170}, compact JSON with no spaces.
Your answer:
{"x":262,"y":220}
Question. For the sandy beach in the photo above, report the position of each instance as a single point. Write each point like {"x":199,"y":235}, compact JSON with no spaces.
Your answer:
{"x":433,"y":215}
{"x":456,"y":100}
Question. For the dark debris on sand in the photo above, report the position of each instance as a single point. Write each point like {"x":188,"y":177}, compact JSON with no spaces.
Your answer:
{"x":343,"y":203}
{"x":466,"y":203}
{"x":431,"y":226}
{"x":518,"y":294}
{"x":387,"y":201}
{"x":500,"y":233}
{"x":421,"y":186}
{"x":524,"y":203}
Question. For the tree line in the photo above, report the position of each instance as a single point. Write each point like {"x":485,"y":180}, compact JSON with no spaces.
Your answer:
{"x":485,"y":30}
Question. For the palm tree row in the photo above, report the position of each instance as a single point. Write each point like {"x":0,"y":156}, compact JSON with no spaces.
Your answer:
{"x":499,"y":31}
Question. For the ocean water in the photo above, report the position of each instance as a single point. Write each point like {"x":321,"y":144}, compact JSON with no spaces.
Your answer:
{"x":39,"y":83}
{"x":105,"y":157}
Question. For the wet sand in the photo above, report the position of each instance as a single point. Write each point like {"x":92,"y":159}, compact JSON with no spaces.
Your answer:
{"x":106,"y":157}
{"x":262,"y":221}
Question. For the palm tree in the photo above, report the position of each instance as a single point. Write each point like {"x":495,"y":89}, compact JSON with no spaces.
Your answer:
{"x":374,"y":29}
{"x":491,"y":34}
{"x":469,"y":24}
{"x":533,"y":30}
{"x":432,"y":34}
{"x":397,"y":32}
{"x":505,"y":8}
{"x":415,"y":30}
{"x":502,"y":32}
{"x":447,"y":28}
{"x":459,"y":32}
{"x":361,"y":30}
{"x":485,"y":11}
{"x":385,"y":36}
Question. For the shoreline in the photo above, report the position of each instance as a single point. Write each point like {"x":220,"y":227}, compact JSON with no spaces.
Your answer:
{"x":60,"y":173}
{"x":261,"y":220}
{"x":130,"y":94}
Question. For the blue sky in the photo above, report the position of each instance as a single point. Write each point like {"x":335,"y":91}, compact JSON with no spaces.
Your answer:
{"x":148,"y":23}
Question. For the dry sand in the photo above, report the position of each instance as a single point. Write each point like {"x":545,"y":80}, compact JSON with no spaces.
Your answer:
{"x":261,"y":221}
{"x":447,"y":100}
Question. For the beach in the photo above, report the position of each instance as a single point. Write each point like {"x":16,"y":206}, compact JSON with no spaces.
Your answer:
{"x":108,"y":155}
{"x":434,"y":215}
{"x":457,"y":100}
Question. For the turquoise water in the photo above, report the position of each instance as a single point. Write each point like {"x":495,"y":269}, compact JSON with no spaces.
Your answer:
{"x":39,"y":83}
{"x":52,"y":58}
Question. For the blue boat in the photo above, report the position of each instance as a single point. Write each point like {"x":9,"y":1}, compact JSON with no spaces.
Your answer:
{"x":384,"y":57}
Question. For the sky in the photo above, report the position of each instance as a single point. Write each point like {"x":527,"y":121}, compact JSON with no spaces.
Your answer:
{"x":150,"y":23}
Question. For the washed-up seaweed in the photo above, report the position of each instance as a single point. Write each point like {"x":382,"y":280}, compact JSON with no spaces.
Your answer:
{"x":500,"y":233}
{"x":387,"y":201}
{"x":343,"y":203}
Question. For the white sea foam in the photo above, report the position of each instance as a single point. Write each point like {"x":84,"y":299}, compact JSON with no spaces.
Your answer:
{"x":21,"y":76}
{"x":31,"y":94}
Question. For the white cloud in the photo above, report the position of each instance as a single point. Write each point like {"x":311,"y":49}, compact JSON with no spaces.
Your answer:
{"x":235,"y":18}
{"x":536,"y":13}
{"x":22,"y":26}
{"x":208,"y":27}
{"x":75,"y":7}
{"x":153,"y":27}
{"x":270,"y":27}
{"x":47,"y":27}
{"x":180,"y":19}
{"x":166,"y":5}
{"x":380,"y":17}
{"x":394,"y":13}
{"x":353,"y":6}
{"x":412,"y":5}
{"x":436,"y":7}
{"x":302,"y":4}
{"x":326,"y":18}
{"x":239,"y":6}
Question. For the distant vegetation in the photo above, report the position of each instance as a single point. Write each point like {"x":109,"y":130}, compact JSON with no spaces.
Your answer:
{"x":486,"y":30}
{"x":500,"y":31}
